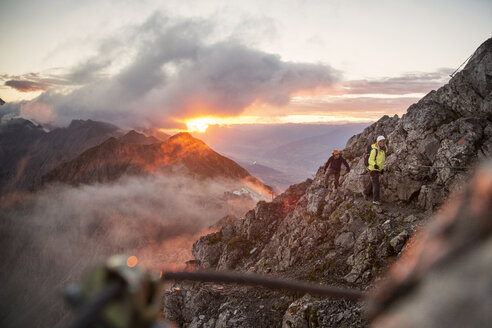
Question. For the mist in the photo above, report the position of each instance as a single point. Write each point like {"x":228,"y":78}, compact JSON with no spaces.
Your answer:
{"x":50,"y":238}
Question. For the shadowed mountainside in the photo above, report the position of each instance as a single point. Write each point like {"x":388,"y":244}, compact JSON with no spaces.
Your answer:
{"x":27,"y":152}
{"x":116,"y":157}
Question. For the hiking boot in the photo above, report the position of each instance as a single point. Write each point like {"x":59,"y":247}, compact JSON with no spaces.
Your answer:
{"x":376,"y":202}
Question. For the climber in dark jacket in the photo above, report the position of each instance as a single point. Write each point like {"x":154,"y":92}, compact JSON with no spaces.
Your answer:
{"x":333,"y":166}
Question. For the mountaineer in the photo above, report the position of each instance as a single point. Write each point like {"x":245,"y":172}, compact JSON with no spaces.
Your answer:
{"x":334,"y":165}
{"x":375,"y":164}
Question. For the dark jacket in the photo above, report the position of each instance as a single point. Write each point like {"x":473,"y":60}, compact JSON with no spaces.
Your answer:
{"x":336,"y":164}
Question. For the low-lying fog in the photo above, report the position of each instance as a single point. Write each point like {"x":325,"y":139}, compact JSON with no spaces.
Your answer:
{"x":49,"y":238}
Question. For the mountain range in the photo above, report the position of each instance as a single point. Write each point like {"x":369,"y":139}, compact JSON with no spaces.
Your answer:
{"x":136,"y":154}
{"x":89,"y":151}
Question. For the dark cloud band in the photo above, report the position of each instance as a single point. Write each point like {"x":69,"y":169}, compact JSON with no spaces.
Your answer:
{"x":27,"y":86}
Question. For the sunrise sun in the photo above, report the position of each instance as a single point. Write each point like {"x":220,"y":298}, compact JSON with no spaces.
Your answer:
{"x":199,"y":124}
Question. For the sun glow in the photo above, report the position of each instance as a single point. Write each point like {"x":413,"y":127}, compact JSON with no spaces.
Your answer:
{"x":201,"y":124}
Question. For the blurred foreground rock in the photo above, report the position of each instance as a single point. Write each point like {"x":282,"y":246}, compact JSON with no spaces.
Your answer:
{"x":445,"y":278}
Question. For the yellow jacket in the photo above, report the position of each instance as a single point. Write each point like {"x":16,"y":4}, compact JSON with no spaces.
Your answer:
{"x":377,"y":160}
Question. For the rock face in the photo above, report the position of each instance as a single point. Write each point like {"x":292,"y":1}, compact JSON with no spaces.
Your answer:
{"x":435,"y":144}
{"x":307,"y":233}
{"x":315,"y":234}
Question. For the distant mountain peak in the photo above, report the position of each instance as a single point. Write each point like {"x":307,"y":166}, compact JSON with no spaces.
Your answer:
{"x":133,"y":133}
{"x":90,"y":123}
{"x":76,"y":123}
{"x":154,"y":132}
{"x":183,"y":135}
{"x":133,"y":137}
{"x":186,"y":139}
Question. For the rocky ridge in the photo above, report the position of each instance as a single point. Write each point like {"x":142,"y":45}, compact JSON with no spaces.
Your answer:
{"x":337,"y":238}
{"x":435,"y":145}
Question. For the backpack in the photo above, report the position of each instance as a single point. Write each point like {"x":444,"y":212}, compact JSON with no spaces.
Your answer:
{"x":367,"y":153}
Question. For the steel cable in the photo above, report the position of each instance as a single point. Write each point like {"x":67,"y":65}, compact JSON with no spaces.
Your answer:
{"x":443,"y":167}
{"x":265,"y":281}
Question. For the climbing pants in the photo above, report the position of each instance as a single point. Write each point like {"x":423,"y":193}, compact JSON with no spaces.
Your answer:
{"x":373,"y":186}
{"x":336,"y":177}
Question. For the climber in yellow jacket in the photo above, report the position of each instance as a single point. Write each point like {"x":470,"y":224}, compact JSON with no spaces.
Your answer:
{"x":376,"y":160}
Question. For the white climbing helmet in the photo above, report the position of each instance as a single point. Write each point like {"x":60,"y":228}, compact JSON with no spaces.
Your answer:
{"x":380,"y":138}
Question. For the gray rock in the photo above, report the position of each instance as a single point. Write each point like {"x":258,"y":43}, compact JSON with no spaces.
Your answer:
{"x":222,"y":320}
{"x":387,"y":226}
{"x":357,"y":226}
{"x":316,"y":200}
{"x":345,"y":240}
{"x":410,"y":219}
{"x":399,"y":241}
{"x":207,"y":250}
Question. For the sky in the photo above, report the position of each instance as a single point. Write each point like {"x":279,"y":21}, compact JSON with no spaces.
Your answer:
{"x":186,"y":64}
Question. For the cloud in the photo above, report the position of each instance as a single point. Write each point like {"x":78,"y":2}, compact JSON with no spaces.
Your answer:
{"x":51,"y":238}
{"x":166,"y":70}
{"x":404,"y":84}
{"x":370,"y":98}
{"x":32,"y":82}
{"x":359,"y":108}
{"x":27,"y":86}
{"x":9,"y":110}
{"x":171,"y":69}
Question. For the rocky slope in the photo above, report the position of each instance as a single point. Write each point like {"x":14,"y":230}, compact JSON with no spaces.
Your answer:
{"x":438,"y":141}
{"x":337,"y":238}
{"x":444,"y":279}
